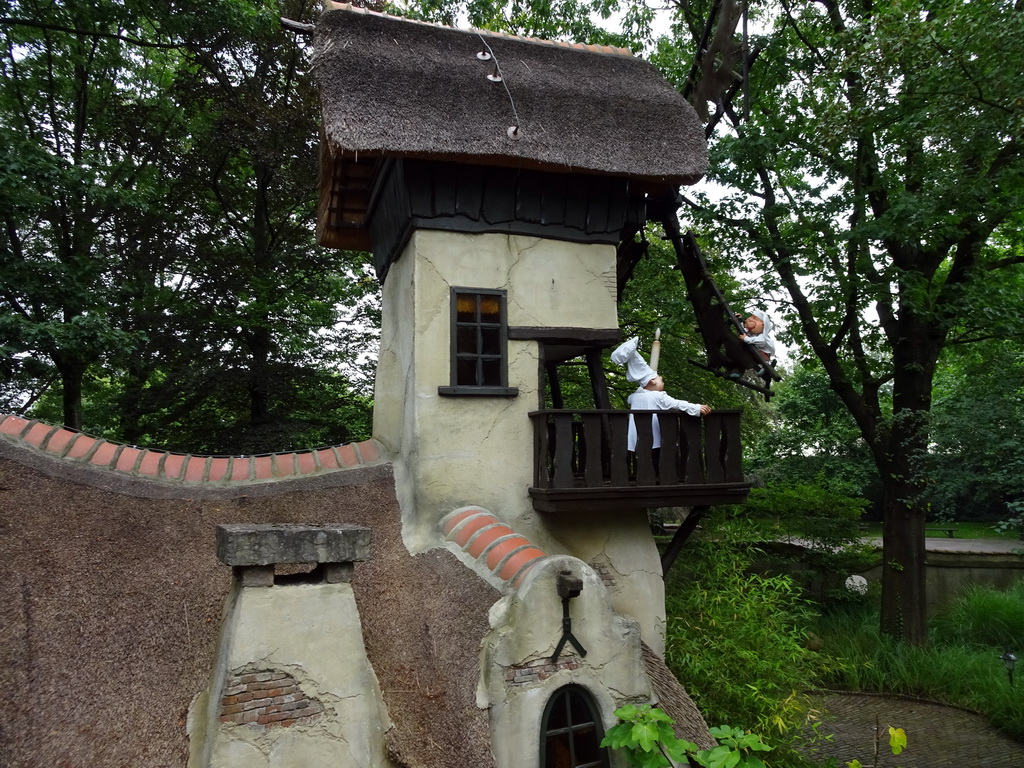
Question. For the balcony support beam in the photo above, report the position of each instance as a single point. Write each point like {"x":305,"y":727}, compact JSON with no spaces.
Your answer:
{"x":679,"y":539}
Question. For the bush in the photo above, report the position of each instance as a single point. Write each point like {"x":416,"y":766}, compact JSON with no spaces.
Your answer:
{"x":983,"y":616}
{"x":738,"y":641}
{"x":809,"y":534}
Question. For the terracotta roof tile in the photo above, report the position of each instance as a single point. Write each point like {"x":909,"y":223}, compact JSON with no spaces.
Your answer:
{"x":497,"y":549}
{"x":81,"y":449}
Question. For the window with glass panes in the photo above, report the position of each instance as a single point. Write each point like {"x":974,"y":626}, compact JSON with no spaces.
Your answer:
{"x":570,"y":732}
{"x":479,"y":343}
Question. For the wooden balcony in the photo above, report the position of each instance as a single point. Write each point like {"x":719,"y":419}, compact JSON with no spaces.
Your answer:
{"x":581,"y":462}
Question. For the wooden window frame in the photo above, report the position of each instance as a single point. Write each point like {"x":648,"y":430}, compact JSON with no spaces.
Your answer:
{"x":457,"y":388}
{"x":571,"y":728}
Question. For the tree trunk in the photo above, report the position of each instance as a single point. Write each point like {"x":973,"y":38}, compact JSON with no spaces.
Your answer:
{"x":903,"y":613}
{"x":915,"y":352}
{"x":72,"y":371}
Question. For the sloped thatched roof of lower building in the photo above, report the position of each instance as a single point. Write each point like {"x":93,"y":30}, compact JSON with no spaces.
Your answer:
{"x":111,"y":599}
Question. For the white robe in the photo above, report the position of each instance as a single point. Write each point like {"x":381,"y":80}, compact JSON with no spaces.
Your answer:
{"x":650,"y":400}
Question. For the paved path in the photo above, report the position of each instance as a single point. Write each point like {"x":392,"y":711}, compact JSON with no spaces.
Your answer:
{"x":937,"y":735}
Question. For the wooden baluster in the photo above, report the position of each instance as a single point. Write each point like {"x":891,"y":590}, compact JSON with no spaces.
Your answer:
{"x":694,"y":467}
{"x":713,"y":448}
{"x":563,"y":451}
{"x":579,"y":451}
{"x":592,"y":434}
{"x":733,"y":457}
{"x":645,"y":474}
{"x":668,"y":466}
{"x":541,"y":445}
{"x":618,"y":455}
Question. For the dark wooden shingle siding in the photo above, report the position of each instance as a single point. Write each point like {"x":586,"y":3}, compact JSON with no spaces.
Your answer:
{"x":417,"y":194}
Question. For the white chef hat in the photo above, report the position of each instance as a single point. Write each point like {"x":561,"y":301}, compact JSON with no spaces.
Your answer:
{"x":637,"y":368}
{"x":761,"y":315}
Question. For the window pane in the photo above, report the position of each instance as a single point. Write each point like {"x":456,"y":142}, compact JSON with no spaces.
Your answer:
{"x":466,"y":339}
{"x":558,"y":717}
{"x":491,"y":341}
{"x":492,"y":373}
{"x":558,"y":754}
{"x":580,"y":711}
{"x":585,"y":742}
{"x":465,"y":306}
{"x":490,"y":309}
{"x":466,"y":372}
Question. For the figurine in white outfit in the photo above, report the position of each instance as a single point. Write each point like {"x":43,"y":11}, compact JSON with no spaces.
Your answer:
{"x":758,"y":334}
{"x":650,"y":394}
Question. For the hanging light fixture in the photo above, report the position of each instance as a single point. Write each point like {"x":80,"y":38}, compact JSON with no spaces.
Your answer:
{"x":1009,"y":659}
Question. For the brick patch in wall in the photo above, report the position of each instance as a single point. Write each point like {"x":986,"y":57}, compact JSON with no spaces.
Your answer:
{"x":267,"y":698}
{"x":538,"y":670}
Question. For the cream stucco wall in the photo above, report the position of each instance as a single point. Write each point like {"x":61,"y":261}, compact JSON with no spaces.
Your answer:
{"x":454,"y":451}
{"x":312,"y":632}
{"x":526,"y":626}
{"x":475,"y":450}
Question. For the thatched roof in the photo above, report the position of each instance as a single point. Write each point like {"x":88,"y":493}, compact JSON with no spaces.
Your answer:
{"x":393,"y":87}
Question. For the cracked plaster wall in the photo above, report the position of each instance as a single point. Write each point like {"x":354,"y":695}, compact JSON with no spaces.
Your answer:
{"x":622,"y":541}
{"x":451,"y":452}
{"x":454,"y":451}
{"x":525,"y":627}
{"x":312,"y":632}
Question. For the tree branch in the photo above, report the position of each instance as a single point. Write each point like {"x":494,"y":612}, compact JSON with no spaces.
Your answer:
{"x":9,"y":22}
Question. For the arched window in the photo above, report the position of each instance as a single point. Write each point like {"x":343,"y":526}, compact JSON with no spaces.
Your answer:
{"x":571,"y":731}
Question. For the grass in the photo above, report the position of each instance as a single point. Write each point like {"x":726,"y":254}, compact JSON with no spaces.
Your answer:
{"x":961,"y":665}
{"x":965,"y":530}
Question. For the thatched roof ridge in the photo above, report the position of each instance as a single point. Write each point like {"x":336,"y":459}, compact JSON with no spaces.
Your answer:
{"x":395,"y":87}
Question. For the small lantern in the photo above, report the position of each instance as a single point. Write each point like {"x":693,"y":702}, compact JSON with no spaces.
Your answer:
{"x":1009,"y":659}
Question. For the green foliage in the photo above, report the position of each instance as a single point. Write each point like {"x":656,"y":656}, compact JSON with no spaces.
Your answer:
{"x":810,"y":534}
{"x":648,"y":740}
{"x":573,"y":20}
{"x":738,"y":640}
{"x":812,"y":440}
{"x":876,"y":178}
{"x":973,"y":464}
{"x":161,"y":286}
{"x":646,"y":736}
{"x":982,"y":616}
{"x":736,"y":747}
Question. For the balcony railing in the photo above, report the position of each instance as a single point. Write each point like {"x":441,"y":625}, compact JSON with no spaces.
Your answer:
{"x":581,"y":461}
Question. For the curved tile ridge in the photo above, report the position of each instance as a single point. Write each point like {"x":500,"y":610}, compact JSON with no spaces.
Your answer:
{"x":67,"y":444}
{"x":496,"y":548}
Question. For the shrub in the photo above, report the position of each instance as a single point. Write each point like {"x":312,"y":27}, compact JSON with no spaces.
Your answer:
{"x":984,"y":616}
{"x":738,"y":640}
{"x":810,"y":534}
